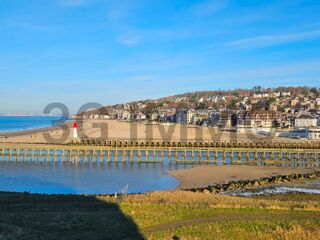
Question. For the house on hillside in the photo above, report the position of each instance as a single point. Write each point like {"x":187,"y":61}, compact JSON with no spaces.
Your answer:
{"x":263,"y":118}
{"x":306,"y":121}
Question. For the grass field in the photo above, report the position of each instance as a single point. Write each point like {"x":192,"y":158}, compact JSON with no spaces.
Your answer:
{"x":159,"y":215}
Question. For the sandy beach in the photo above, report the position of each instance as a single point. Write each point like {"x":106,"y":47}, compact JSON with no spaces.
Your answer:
{"x":120,"y":130}
{"x":202,"y":176}
{"x":36,"y":135}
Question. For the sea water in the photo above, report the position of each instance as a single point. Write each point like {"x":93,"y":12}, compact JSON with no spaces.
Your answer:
{"x":85,"y":178}
{"x":17,"y":123}
{"x":77,"y":178}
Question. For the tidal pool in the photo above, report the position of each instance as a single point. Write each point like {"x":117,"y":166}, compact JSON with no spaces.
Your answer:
{"x":85,"y":178}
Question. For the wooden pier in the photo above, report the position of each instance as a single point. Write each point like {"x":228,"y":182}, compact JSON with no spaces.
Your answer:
{"x":168,"y":153}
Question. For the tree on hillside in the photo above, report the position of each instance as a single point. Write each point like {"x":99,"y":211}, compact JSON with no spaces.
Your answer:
{"x":202,"y":105}
{"x":232,"y":104}
{"x":257,"y":89}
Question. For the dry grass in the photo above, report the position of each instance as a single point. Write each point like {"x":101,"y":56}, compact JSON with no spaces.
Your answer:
{"x":194,"y":199}
{"x":257,"y":230}
{"x":159,"y":215}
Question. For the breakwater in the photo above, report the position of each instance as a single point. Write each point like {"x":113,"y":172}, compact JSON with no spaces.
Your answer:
{"x":264,"y":181}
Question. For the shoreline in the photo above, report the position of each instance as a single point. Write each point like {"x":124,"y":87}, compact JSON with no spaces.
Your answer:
{"x":223,"y":178}
{"x":22,"y":132}
{"x":122,"y":130}
{"x":204,"y":176}
{"x":30,"y":130}
{"x":34,"y":135}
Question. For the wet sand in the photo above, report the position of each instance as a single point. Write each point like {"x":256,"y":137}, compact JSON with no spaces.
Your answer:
{"x":202,"y":176}
{"x":36,"y":135}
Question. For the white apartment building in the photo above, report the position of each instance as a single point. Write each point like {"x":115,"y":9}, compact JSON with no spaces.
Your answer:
{"x":314,"y":133}
{"x":255,"y":95}
{"x":190,"y":114}
{"x":305,"y":122}
{"x":285,"y":94}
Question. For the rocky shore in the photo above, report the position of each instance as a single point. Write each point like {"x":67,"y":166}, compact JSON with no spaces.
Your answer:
{"x":264,"y":181}
{"x":210,"y":175}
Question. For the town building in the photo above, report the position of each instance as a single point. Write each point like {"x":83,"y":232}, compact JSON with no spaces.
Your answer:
{"x":154,"y":116}
{"x":305,"y":121}
{"x":294,"y":102}
{"x":262,"y":118}
{"x":200,"y":116}
{"x":190,"y":114}
{"x":295,"y":133}
{"x":225,"y":118}
{"x":314,"y":133}
{"x":213,"y":118}
{"x":181,"y":116}
{"x":167,"y":114}
{"x":244,"y":129}
{"x":124,"y":115}
{"x":141,"y":116}
{"x":285,"y":94}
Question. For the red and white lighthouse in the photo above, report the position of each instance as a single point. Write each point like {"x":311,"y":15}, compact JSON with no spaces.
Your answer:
{"x":75,"y":130}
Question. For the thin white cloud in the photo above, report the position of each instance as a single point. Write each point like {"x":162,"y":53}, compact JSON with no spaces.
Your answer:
{"x":269,"y":40}
{"x":129,"y":39}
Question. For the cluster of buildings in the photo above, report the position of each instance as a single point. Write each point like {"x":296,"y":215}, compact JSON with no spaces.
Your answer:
{"x":292,"y":112}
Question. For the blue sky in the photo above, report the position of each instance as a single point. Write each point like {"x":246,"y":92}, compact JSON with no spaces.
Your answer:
{"x":111,"y":51}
